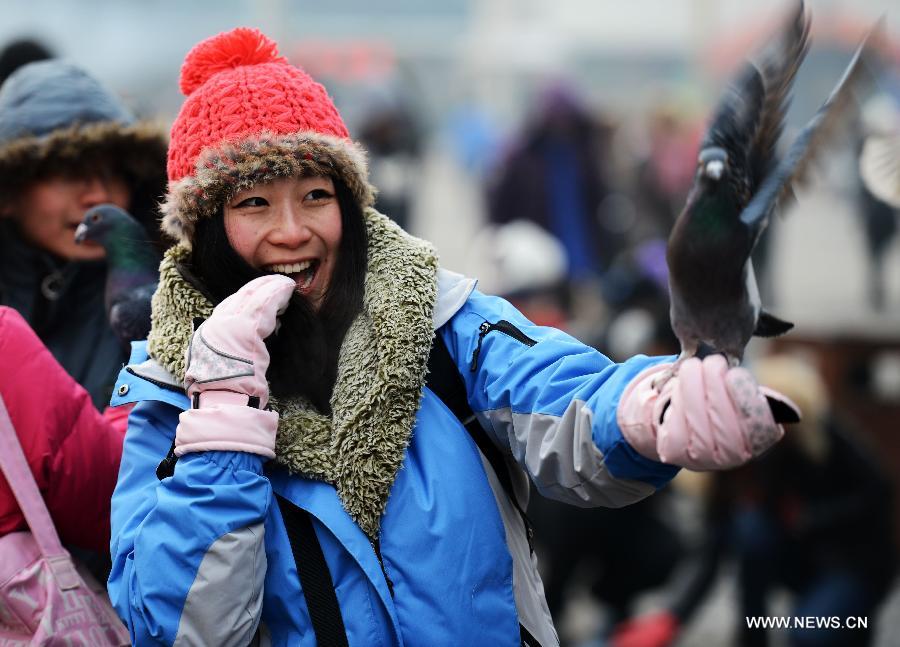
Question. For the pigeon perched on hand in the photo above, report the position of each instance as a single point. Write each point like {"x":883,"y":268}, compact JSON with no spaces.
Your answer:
{"x":738,"y":184}
{"x":132,"y":268}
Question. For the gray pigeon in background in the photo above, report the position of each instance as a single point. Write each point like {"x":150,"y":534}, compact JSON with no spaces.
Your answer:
{"x":132,"y":268}
{"x":738,"y":185}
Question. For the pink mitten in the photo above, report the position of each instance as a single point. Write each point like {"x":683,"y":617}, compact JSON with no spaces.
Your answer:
{"x":226,"y":373}
{"x":708,"y":416}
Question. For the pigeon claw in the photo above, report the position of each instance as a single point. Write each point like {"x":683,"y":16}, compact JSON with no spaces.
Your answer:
{"x":663,"y":378}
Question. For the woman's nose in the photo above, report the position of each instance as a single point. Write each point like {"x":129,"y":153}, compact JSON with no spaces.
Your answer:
{"x":290,"y":229}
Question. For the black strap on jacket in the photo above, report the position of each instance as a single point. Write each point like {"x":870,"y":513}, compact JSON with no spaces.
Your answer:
{"x":315,"y":578}
{"x":446,"y":383}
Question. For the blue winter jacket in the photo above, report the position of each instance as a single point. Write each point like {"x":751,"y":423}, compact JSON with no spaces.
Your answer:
{"x":203,"y":558}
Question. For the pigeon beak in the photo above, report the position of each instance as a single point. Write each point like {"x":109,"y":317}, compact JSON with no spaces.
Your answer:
{"x":81,"y":233}
{"x":714,"y":169}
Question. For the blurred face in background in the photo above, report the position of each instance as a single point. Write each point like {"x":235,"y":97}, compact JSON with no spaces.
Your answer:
{"x":49,"y":211}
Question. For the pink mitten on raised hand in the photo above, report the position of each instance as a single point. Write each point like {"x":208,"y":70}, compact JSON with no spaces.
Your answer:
{"x":226,"y":373}
{"x":707,"y":417}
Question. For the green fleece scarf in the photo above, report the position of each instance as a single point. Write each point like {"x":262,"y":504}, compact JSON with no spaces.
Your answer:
{"x":381,"y":370}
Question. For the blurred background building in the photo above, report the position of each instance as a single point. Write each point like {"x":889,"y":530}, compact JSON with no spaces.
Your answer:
{"x":581,"y":117}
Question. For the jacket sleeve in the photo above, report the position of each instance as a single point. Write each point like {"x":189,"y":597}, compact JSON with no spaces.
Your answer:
{"x":550,"y":402}
{"x":188,"y":553}
{"x":72,"y":449}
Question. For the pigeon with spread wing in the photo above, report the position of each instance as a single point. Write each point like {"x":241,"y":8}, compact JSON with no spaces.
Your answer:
{"x":739,"y":183}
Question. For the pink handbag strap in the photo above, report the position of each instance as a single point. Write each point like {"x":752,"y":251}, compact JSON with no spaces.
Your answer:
{"x":21,"y":482}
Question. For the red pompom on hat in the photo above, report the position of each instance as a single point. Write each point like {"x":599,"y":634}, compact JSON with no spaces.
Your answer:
{"x":250,"y":117}
{"x":243,"y":46}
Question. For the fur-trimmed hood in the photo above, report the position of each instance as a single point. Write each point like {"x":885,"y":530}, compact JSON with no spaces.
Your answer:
{"x":57,"y":119}
{"x":381,"y":370}
{"x":137,"y":152}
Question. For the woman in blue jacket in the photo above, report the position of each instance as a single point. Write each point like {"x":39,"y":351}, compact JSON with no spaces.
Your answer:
{"x":332,"y":434}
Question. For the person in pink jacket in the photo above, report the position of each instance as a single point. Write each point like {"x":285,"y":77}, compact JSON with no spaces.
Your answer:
{"x":73,"y":449}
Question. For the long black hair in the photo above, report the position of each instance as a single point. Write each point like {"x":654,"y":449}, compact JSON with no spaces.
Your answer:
{"x":304,"y":351}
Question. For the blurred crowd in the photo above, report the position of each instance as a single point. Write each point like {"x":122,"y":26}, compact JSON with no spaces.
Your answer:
{"x":576,"y":212}
{"x":575,"y":206}
{"x":814,"y":518}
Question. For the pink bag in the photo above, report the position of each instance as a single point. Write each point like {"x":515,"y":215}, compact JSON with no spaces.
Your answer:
{"x":44,"y":599}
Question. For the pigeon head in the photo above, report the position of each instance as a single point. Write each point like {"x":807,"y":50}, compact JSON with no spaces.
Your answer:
{"x":98,"y":222}
{"x":712,"y":163}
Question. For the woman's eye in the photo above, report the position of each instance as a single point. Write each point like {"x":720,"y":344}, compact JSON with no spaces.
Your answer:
{"x":317,"y":194}
{"x":255,"y":201}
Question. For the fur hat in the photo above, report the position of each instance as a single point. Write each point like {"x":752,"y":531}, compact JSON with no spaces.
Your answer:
{"x":250,"y":117}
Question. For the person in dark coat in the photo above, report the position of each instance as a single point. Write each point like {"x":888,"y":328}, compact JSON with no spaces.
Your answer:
{"x":557,"y":177}
{"x":67,"y":144}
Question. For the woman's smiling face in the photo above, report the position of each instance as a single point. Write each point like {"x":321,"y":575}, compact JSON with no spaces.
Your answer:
{"x":290,"y":226}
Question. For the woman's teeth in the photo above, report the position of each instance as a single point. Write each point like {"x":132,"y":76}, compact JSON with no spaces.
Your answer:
{"x":292,"y":268}
{"x":303,"y":272}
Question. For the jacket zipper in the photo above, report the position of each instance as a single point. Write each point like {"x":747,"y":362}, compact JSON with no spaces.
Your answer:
{"x":166,"y":467}
{"x":502,"y":326}
{"x":162,"y":385}
{"x":376,"y":545}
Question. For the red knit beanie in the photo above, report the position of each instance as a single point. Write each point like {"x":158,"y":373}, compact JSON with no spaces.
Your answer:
{"x":250,"y":117}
